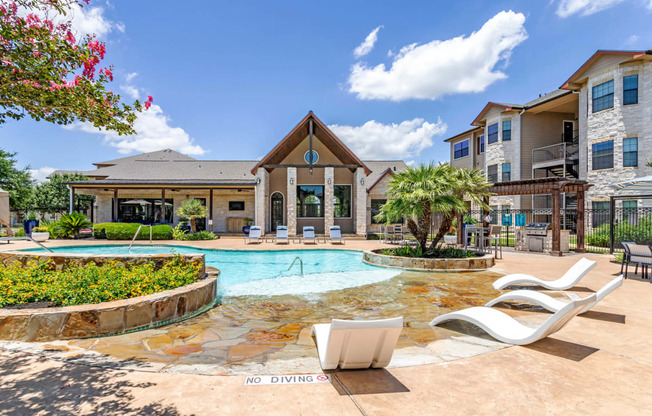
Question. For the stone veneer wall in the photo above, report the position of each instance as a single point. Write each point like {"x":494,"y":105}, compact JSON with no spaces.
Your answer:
{"x":92,"y":320}
{"x":616,"y":123}
{"x":504,"y":152}
{"x":434,"y":265}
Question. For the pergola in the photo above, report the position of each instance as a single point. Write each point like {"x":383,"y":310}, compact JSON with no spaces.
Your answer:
{"x":555,"y":187}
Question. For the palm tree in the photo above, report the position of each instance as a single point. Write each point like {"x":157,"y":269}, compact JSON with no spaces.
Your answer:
{"x":463,"y":183}
{"x":415,"y":193}
{"x":192,"y":209}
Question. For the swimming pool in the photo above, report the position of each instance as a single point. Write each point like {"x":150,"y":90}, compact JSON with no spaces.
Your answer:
{"x":265,"y":273}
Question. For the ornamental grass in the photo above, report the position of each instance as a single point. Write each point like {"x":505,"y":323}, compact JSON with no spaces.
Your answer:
{"x":91,"y":283}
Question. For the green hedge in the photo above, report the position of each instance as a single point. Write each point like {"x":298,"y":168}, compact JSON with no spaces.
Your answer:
{"x":641,"y":233}
{"x":126,"y":231}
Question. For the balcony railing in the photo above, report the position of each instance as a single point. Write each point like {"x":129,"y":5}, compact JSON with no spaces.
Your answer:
{"x":556,"y":152}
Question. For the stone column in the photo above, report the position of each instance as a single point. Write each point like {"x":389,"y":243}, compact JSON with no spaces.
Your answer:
{"x":329,"y":198}
{"x":262,"y":182}
{"x":360,"y":201}
{"x":291,"y":201}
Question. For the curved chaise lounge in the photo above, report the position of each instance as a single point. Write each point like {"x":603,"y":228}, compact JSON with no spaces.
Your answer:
{"x":568,"y":280}
{"x":552,"y":304}
{"x":507,"y":329}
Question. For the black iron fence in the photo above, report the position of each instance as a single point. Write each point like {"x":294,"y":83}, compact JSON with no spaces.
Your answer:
{"x":629,"y":224}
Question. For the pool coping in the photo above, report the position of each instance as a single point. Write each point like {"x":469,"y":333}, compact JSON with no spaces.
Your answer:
{"x":435,"y":265}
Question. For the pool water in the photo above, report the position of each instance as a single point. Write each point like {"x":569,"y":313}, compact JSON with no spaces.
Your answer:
{"x":265,"y":273}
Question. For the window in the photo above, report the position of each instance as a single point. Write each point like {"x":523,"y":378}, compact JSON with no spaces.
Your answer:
{"x":492,"y":173}
{"x":315,"y":157}
{"x":603,"y":155}
{"x":603,"y":96}
{"x":630,"y":89}
{"x":461,"y":149}
{"x":310,"y":201}
{"x":479,"y":145}
{"x":376,"y":205}
{"x":342,"y":201}
{"x":507,"y":172}
{"x":236,"y":206}
{"x":493,"y":133}
{"x":507,"y":130}
{"x":600,"y":213}
{"x":144,"y":210}
{"x":630,"y":152}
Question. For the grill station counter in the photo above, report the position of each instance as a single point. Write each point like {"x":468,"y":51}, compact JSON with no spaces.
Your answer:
{"x":537,"y":236}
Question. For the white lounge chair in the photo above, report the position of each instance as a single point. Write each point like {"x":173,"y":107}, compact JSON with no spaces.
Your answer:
{"x":308,"y":235}
{"x":552,"y":304}
{"x":568,"y":280}
{"x":281,"y":235}
{"x":507,"y":329}
{"x":254,"y":234}
{"x":335,"y":234}
{"x":357,"y":344}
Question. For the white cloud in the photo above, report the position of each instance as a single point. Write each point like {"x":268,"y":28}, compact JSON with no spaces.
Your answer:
{"x":131,"y":91}
{"x":41,"y":174}
{"x":130,"y":76}
{"x":86,"y":20}
{"x":453,"y":66}
{"x":566,"y":8}
{"x":153,"y":132}
{"x":368,"y":44}
{"x":374,"y":140}
{"x":632,"y":40}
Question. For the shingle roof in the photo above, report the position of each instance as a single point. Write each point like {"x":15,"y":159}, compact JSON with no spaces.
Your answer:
{"x":165,"y":154}
{"x":378,"y":168}
{"x":547,"y":97}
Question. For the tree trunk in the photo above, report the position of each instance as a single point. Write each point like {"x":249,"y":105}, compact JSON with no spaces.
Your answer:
{"x":446,"y":224}
{"x":192,"y":225}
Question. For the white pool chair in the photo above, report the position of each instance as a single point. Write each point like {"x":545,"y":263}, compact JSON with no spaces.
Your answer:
{"x":568,"y":280}
{"x":356,"y":344}
{"x":254,"y":235}
{"x":507,"y":329}
{"x":281,"y":236}
{"x":552,"y":304}
{"x":308,"y":235}
{"x":335,"y":234}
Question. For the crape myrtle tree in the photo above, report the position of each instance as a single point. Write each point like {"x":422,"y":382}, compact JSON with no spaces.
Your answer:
{"x":49,"y":74}
{"x":418,"y":192}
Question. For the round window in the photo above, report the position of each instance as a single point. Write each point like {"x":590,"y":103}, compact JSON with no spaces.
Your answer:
{"x":315,"y":157}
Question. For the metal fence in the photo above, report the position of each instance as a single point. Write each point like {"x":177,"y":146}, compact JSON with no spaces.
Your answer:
{"x":629,"y":224}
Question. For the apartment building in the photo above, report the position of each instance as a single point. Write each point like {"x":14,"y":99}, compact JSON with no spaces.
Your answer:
{"x":595,"y":128}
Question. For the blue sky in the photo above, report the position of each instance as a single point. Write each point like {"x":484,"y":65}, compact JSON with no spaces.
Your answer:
{"x":230,"y":79}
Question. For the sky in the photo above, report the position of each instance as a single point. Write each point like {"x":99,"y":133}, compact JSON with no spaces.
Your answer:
{"x":392,"y":79}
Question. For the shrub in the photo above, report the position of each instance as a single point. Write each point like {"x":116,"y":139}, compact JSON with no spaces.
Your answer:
{"x":20,"y":233}
{"x":71,"y":224}
{"x":183,"y":235}
{"x":99,"y":230}
{"x":440,"y":253}
{"x":40,"y":229}
{"x":126,"y":231}
{"x":91,"y":283}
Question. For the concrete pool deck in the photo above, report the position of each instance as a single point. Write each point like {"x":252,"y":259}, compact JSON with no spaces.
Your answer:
{"x":598,"y":364}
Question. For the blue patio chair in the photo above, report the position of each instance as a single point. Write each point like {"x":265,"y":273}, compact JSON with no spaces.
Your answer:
{"x":281,"y":235}
{"x":254,"y":234}
{"x":308,"y":235}
{"x":335,"y":234}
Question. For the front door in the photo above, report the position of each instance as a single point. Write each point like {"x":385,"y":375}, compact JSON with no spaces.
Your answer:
{"x":277,"y":210}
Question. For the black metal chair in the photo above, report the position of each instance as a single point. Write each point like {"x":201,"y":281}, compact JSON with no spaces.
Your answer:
{"x":640,"y":254}
{"x":626,"y":256}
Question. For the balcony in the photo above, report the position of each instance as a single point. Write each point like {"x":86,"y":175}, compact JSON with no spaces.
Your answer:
{"x":559,"y":159}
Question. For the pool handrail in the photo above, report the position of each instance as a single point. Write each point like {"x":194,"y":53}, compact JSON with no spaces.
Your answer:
{"x":294,"y":261}
{"x":138,"y":231}
{"x":26,"y":238}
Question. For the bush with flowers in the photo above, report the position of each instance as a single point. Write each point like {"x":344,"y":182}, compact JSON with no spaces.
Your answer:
{"x":41,"y":282}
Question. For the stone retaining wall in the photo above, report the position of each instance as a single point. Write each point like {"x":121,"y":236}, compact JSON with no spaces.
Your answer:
{"x":434,"y":265}
{"x":92,"y":320}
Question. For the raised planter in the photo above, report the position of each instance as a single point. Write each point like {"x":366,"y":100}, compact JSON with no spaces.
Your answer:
{"x":40,"y":237}
{"x":107,"y":318}
{"x":432,"y":265}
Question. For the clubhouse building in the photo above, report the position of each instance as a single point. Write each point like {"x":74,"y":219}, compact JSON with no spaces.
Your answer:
{"x":310,"y":178}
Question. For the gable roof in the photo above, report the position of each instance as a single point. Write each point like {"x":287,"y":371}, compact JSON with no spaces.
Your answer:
{"x":379,"y":169}
{"x":296,"y":136}
{"x":490,"y":104}
{"x":568,"y":85}
{"x":464,"y":133}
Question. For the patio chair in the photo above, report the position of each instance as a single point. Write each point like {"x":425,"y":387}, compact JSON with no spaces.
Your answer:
{"x":640,"y":254}
{"x":335,"y":234}
{"x":254,"y":234}
{"x":568,"y":280}
{"x":552,"y":304}
{"x":626,"y":256}
{"x":507,"y":329}
{"x":493,"y":240}
{"x":281,"y":236}
{"x":356,"y":344}
{"x":308,"y":235}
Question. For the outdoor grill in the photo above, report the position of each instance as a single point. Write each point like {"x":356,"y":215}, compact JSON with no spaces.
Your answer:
{"x":536,"y":233}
